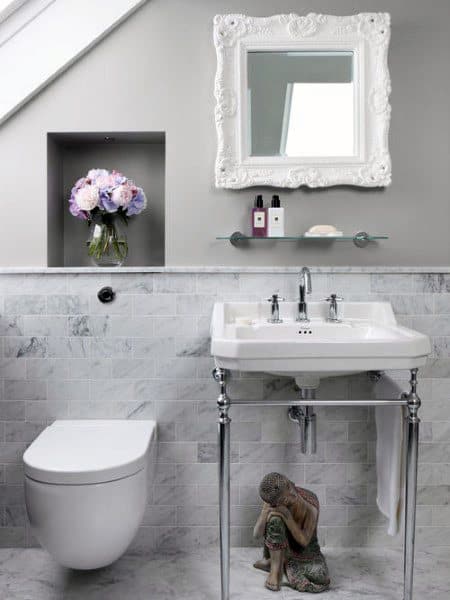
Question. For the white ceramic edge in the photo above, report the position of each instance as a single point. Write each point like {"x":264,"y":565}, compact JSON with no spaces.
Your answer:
{"x":366,"y":34}
{"x":334,"y":357}
{"x":224,"y":269}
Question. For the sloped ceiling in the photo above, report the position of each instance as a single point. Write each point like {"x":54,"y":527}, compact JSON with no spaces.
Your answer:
{"x":39,"y":39}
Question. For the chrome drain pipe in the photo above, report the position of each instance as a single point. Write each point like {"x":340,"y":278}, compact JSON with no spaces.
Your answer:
{"x":306,"y":419}
{"x":297,"y":415}
{"x":311,"y":430}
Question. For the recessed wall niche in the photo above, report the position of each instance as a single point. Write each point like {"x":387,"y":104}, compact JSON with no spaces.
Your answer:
{"x":140,"y":156}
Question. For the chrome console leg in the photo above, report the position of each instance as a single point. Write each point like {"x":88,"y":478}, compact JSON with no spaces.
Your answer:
{"x":412,"y":454}
{"x":223,"y":405}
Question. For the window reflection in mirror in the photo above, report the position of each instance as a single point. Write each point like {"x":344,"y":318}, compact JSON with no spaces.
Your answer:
{"x":301,"y":104}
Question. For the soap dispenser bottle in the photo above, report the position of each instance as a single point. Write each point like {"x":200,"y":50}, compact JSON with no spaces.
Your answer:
{"x":259,"y":218}
{"x":275,"y":220}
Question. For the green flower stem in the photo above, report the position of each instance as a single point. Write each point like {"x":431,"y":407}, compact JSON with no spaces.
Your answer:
{"x":108,"y":241}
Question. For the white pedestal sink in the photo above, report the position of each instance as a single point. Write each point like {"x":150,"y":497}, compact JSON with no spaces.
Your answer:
{"x":368,"y":338}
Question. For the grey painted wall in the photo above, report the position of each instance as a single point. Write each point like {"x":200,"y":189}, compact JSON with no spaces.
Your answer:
{"x":156,"y":72}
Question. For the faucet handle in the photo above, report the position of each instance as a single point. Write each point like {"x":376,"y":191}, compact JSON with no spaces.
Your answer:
{"x":333,"y":314}
{"x":332,"y":298}
{"x":274,"y":308}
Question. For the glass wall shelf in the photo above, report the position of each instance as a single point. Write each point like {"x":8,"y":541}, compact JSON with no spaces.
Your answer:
{"x":361,"y":239}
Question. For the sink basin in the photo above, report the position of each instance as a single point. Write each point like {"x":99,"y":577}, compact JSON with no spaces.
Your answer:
{"x":368,"y":338}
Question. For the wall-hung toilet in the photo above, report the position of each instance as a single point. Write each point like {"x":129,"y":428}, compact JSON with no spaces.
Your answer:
{"x":86,"y":488}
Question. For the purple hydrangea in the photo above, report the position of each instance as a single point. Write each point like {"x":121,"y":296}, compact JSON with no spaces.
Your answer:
{"x":106,"y":203}
{"x":138,"y":203}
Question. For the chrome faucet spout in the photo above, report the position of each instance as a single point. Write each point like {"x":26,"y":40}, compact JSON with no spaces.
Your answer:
{"x":305,"y":287}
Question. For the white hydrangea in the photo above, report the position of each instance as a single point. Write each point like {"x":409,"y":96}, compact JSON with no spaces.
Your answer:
{"x":87,"y":197}
{"x":121,"y":195}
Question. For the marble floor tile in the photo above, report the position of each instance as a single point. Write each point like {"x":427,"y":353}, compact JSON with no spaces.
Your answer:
{"x":30,"y":574}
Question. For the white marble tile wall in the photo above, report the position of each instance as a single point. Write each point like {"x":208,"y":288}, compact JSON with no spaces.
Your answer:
{"x":63,"y":354}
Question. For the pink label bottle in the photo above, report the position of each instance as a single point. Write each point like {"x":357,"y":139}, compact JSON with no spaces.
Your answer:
{"x":259,"y":218}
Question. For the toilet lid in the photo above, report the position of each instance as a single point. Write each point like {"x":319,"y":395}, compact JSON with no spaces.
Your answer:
{"x":82,"y":452}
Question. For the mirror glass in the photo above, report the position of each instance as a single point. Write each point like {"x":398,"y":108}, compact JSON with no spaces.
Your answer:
{"x":300,"y":103}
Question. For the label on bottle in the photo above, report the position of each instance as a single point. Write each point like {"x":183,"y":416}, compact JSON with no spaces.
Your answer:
{"x":275,"y":226}
{"x":259,"y":219}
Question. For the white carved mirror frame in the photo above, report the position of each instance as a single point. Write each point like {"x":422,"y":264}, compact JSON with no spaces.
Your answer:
{"x":366,"y":35}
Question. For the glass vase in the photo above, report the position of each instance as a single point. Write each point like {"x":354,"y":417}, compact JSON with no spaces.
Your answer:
{"x":107,"y":244}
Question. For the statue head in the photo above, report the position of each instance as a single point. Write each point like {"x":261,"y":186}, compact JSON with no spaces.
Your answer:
{"x":276,"y":489}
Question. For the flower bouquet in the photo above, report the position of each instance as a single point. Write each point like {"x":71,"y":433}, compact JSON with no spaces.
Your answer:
{"x":105,"y":199}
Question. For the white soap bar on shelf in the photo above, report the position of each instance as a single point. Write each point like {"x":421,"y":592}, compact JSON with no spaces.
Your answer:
{"x":323,"y":231}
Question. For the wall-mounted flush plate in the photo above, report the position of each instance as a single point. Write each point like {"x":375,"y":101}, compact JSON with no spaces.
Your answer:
{"x":106,"y":294}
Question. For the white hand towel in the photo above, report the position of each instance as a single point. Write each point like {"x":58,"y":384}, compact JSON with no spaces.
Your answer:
{"x":390,"y":458}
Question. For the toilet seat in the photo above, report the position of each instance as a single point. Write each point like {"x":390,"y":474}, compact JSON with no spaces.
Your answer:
{"x":88,"y":452}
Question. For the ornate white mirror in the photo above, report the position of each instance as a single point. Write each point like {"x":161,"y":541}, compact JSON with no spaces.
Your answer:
{"x":302,"y":100}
